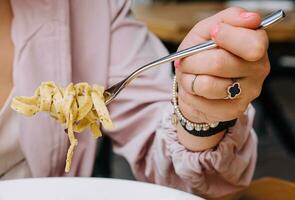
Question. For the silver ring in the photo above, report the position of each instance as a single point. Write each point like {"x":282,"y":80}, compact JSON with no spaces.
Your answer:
{"x":192,"y":85}
{"x":234,"y":90}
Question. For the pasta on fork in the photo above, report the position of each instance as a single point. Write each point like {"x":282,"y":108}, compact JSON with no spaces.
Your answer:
{"x":77,"y":106}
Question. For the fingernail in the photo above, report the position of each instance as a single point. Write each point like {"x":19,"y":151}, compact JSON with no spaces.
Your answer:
{"x":177,"y":63}
{"x":214,"y":31}
{"x":247,"y":14}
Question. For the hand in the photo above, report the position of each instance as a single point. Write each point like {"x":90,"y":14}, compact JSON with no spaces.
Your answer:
{"x":241,"y":55}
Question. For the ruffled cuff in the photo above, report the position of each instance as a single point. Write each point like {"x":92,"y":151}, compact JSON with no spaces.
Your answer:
{"x":228,"y":166}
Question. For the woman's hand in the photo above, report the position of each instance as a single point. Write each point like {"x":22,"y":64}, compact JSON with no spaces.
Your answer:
{"x":241,"y":56}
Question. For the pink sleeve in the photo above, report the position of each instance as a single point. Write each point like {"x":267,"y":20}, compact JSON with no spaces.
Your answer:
{"x":144,"y":134}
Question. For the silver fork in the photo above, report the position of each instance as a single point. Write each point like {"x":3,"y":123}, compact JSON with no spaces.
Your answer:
{"x":114,"y":90}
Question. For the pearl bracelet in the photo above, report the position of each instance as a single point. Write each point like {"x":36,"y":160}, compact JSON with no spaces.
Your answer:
{"x":178,"y":116}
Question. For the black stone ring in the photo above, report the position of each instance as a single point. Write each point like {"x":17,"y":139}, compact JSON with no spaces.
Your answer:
{"x":234,"y":90}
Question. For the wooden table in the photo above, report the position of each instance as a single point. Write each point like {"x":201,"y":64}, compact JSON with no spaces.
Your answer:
{"x":171,"y":22}
{"x":265,"y":189}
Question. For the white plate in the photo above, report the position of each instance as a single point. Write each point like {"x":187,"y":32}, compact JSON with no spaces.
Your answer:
{"x":87,"y":189}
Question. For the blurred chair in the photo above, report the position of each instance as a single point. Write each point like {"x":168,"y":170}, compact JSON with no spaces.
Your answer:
{"x":277,"y":99}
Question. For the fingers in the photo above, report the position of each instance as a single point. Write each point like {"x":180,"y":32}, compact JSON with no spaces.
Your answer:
{"x":217,"y":62}
{"x":234,"y":16}
{"x":206,"y":104}
{"x":215,"y":87}
{"x":210,"y":87}
{"x":248,"y":44}
{"x":214,"y":110}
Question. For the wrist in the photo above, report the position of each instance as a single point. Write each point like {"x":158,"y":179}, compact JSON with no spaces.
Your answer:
{"x":195,"y":143}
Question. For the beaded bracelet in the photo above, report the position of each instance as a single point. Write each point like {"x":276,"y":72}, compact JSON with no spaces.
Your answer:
{"x":197,"y":129}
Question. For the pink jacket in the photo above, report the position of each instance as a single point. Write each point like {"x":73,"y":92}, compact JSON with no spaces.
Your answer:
{"x":98,"y":41}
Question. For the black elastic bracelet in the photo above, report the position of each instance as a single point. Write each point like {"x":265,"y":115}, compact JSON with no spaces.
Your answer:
{"x":212,"y":131}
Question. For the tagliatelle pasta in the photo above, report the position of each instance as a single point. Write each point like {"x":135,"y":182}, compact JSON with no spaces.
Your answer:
{"x":77,"y":106}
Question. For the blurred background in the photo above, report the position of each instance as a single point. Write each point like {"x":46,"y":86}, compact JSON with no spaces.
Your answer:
{"x":171,"y":20}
